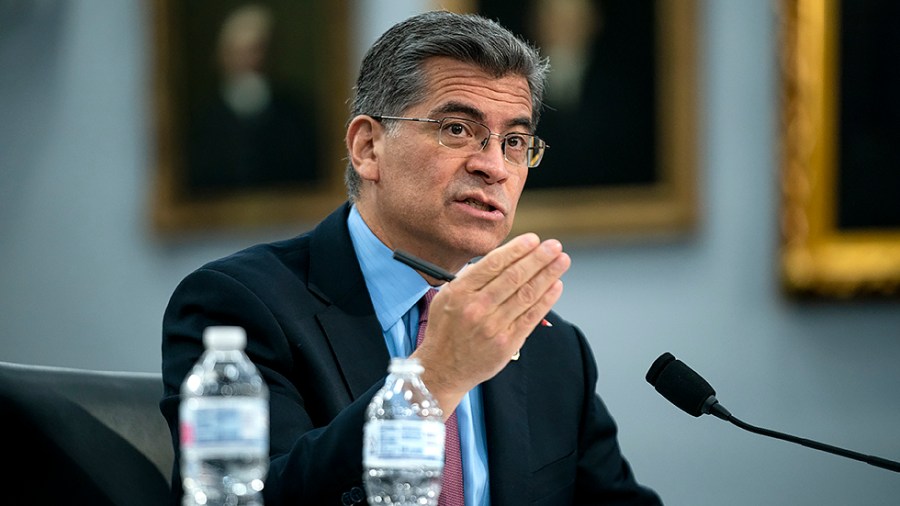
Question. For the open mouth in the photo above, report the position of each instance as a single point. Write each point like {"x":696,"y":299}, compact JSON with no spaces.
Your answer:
{"x":481,"y":206}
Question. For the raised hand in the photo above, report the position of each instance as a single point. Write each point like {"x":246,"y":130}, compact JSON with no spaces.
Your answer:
{"x":478,"y":321}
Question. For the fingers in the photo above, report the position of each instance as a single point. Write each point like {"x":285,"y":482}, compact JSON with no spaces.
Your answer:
{"x":496,"y":262}
{"x":479,"y":320}
{"x":518,"y":283}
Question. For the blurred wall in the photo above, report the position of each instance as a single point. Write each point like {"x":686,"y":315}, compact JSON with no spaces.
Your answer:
{"x":83,"y":281}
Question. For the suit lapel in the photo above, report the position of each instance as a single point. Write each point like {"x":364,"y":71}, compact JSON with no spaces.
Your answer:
{"x":358,"y":346}
{"x":508,"y":433}
{"x":349,"y":320}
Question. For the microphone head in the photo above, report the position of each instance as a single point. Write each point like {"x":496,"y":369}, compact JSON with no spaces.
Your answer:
{"x":681,"y":385}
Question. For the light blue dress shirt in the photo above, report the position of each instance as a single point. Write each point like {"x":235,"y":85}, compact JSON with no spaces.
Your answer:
{"x":396,"y":289}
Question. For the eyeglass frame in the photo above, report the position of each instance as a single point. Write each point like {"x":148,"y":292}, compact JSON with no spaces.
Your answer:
{"x":440,"y":122}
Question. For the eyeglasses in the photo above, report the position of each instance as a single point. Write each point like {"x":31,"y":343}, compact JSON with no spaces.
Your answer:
{"x":471,"y":136}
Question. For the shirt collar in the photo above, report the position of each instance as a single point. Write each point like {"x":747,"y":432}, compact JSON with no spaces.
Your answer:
{"x":393,"y":286}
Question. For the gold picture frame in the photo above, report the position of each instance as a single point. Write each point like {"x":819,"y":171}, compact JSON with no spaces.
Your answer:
{"x":312,"y":54}
{"x":667,"y":206}
{"x":820,"y":258}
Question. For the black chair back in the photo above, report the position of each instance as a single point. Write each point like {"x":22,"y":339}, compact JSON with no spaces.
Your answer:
{"x":84,"y":437}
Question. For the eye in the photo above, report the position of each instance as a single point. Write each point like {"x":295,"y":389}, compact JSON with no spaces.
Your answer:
{"x":457,"y":128}
{"x":518,"y":142}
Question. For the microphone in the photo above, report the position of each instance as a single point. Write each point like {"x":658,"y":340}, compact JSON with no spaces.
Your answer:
{"x":683,"y":387}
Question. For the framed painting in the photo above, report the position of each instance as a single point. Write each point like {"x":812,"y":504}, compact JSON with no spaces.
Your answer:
{"x":840,"y":179}
{"x":620,"y":117}
{"x":250,"y":106}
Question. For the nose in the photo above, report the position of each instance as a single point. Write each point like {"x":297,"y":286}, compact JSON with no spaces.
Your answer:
{"x":489,"y":163}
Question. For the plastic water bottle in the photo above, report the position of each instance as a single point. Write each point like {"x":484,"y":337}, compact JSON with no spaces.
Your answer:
{"x":224,"y":424}
{"x":403,"y":441}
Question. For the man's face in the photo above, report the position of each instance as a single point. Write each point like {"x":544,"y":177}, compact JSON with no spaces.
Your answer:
{"x":436,"y":202}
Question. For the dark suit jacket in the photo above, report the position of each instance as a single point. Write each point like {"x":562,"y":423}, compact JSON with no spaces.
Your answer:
{"x":313,"y":334}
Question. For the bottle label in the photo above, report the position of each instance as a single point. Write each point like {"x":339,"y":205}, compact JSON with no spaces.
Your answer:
{"x":224,"y":426}
{"x":406,"y":444}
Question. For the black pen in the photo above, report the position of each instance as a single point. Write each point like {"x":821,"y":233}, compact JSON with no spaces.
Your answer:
{"x":423,"y":266}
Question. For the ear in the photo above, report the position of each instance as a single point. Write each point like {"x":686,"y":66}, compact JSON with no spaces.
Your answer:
{"x":363,"y":144}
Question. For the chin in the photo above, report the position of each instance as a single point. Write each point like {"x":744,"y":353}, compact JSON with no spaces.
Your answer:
{"x":480,"y":246}
{"x":474,"y":241}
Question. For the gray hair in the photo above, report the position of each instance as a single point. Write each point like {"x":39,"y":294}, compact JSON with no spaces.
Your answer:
{"x":392,"y":75}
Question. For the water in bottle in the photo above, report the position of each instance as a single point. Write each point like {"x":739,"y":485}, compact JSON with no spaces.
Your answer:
{"x":403,"y":442}
{"x":224,"y":424}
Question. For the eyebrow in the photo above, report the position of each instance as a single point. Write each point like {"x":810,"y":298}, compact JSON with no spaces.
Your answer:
{"x":454,"y":107}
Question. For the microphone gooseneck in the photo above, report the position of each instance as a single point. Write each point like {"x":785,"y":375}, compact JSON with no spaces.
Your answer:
{"x":686,"y":389}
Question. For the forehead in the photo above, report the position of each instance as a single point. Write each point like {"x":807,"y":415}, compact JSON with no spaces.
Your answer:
{"x":458,"y":87}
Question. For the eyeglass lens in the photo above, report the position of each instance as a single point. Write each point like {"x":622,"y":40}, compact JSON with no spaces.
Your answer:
{"x":518,"y":148}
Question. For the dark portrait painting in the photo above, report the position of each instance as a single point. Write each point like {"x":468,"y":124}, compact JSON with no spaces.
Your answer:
{"x":869,"y":115}
{"x":249,"y":124}
{"x":250,"y":97}
{"x":600,"y":119}
{"x":840,"y":167}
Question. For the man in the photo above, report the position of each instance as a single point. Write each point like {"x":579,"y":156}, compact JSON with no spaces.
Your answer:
{"x":440,"y":144}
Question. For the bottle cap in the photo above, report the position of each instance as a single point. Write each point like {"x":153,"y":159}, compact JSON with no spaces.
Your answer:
{"x":223,"y":337}
{"x":405,"y":365}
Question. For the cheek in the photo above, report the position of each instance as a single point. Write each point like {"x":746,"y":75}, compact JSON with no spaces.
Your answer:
{"x":516,"y":185}
{"x":415,"y":168}
{"x":400,"y":163}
